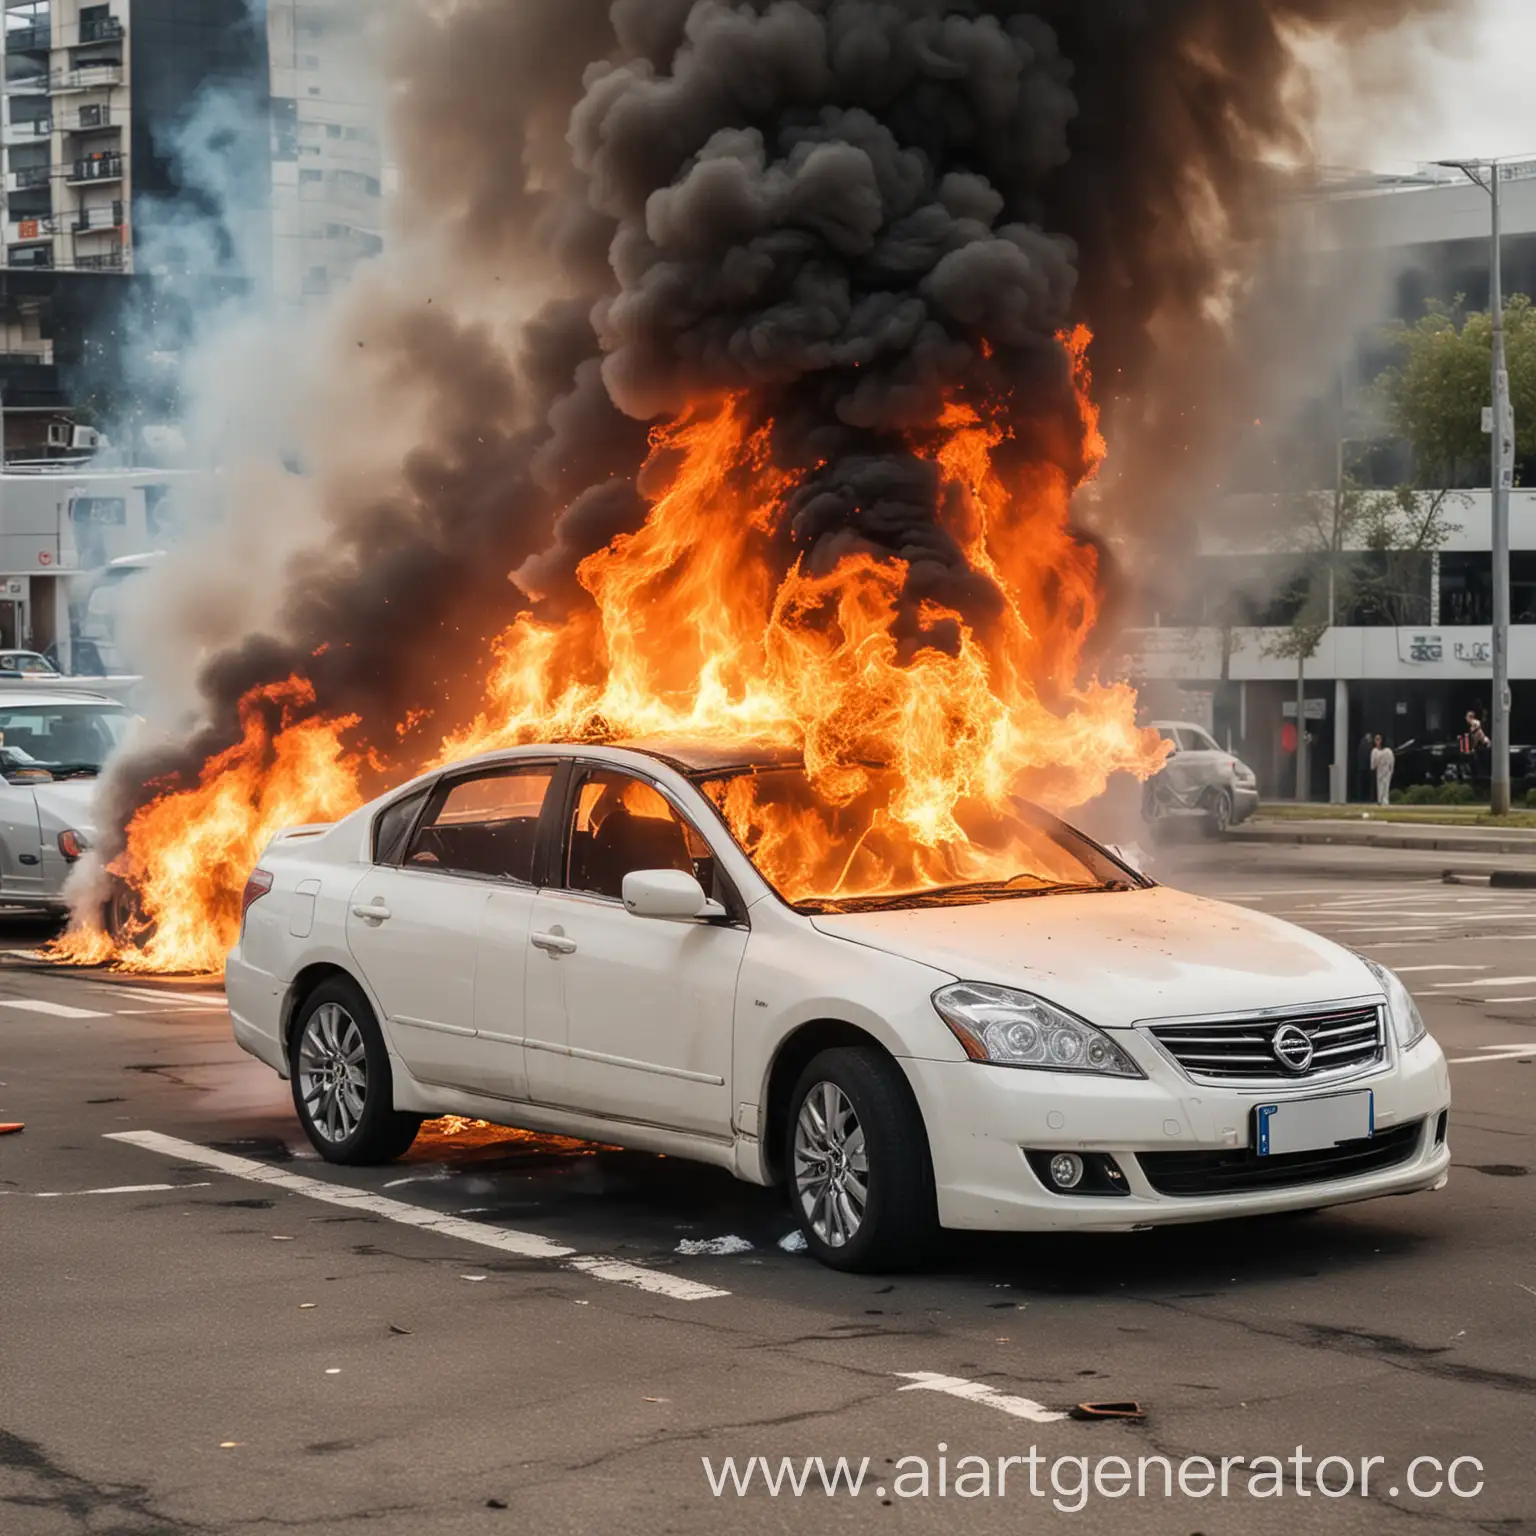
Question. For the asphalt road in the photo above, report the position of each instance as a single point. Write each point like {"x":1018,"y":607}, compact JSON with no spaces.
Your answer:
{"x":208,"y":1330}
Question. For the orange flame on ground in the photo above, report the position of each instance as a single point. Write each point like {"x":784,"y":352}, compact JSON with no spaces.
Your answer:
{"x":689,"y":636}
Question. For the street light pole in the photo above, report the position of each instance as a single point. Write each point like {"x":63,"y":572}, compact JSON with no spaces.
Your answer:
{"x":1503,"y":481}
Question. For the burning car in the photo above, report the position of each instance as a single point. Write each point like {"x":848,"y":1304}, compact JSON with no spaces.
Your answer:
{"x":701,"y":951}
{"x":52,"y":747}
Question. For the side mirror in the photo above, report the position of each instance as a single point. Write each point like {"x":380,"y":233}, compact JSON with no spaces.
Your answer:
{"x":667,"y":894}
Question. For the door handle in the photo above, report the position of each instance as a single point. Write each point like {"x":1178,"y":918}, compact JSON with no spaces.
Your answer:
{"x":554,"y":943}
{"x":370,"y":914}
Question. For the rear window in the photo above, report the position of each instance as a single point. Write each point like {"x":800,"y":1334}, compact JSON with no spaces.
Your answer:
{"x":392,"y":827}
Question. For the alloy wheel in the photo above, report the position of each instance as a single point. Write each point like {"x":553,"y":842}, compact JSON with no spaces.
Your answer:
{"x":831,"y":1165}
{"x":333,"y":1072}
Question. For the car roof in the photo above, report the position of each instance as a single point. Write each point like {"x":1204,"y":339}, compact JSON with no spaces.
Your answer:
{"x":1180,"y":725}
{"x":696,"y":757}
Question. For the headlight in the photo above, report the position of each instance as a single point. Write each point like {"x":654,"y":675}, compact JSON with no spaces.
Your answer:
{"x":73,"y":845}
{"x":1407,"y":1021}
{"x":1017,"y":1029}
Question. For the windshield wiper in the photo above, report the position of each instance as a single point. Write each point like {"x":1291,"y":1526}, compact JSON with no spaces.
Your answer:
{"x":979,"y":890}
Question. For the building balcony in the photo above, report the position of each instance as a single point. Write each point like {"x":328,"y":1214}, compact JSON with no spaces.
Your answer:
{"x":89,"y":77}
{"x":28,"y":85}
{"x":92,"y":117}
{"x":29,"y":39}
{"x":28,"y":130}
{"x":103,"y":29}
{"x":104,"y":167}
{"x":89,"y":221}
{"x":108,"y":261}
{"x":30,"y":177}
{"x":25,"y":231}
{"x":23,"y":256}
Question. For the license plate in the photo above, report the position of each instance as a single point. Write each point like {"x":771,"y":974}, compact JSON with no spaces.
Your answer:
{"x":1311,"y":1125}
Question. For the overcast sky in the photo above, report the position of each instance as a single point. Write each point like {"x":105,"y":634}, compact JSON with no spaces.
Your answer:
{"x":1476,"y":94}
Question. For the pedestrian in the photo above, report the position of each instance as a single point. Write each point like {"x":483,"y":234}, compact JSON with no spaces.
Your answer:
{"x":1363,"y":765}
{"x":1383,"y":761}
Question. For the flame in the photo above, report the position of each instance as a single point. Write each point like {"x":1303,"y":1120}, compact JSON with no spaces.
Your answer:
{"x":691,"y":634}
{"x":189,"y":852}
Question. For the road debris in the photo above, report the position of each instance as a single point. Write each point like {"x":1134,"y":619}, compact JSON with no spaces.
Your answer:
{"x":396,"y":1328}
{"x":793,"y":1242}
{"x":11,"y":1128}
{"x":716,"y":1247}
{"x":1107,"y":1411}
{"x":471,"y":1277}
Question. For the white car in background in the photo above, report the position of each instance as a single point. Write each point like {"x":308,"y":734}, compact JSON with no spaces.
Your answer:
{"x":53,"y":743}
{"x":1199,"y":782}
{"x":568,"y":939}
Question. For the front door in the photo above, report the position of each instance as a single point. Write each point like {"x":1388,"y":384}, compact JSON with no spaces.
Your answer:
{"x":630,"y":1017}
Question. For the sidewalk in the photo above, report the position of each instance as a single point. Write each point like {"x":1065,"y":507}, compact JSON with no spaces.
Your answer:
{"x":1424,"y":837}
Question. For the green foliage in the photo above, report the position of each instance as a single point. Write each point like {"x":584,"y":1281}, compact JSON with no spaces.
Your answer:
{"x":1530,"y":798}
{"x":1436,"y":395}
{"x":1456,"y":794}
{"x":1422,"y":794}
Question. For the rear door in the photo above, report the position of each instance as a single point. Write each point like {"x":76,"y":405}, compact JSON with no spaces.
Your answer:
{"x":416,"y":920}
{"x":629,"y":1017}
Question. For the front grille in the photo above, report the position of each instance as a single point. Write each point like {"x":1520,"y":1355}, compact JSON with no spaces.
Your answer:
{"x":1237,"y":1171}
{"x":1343,"y":1039}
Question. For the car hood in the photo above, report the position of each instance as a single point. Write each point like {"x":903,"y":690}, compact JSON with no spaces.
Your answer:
{"x":1116,"y":957}
{"x":68,"y":803}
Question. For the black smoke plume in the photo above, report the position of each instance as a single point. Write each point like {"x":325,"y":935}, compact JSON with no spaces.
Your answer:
{"x":849,"y":212}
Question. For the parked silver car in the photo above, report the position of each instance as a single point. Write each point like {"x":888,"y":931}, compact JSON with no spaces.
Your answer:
{"x":53,"y":743}
{"x":1199,"y":782}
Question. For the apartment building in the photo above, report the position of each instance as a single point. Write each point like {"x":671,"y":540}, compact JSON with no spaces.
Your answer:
{"x":102,"y":105}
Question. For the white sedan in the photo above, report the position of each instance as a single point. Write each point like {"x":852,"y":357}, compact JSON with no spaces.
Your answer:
{"x":568,"y":939}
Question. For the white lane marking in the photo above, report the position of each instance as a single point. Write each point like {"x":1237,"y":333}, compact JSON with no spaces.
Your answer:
{"x":653,"y":1280}
{"x":55,"y":1010}
{"x":1484,"y":981}
{"x":528,"y":1245}
{"x":175,"y":999}
{"x":1408,"y":970}
{"x":1495,"y":1053}
{"x":1528,"y":999}
{"x":119,"y":1189}
{"x":978,"y":1392}
{"x":1484,"y":938}
{"x":133,"y":1013}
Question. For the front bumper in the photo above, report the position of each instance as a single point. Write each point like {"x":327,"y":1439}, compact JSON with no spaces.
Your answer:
{"x":980,"y":1120}
{"x":1245,"y":803}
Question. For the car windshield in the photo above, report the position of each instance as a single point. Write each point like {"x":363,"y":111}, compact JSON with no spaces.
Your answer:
{"x":62,"y":738}
{"x":836,"y":847}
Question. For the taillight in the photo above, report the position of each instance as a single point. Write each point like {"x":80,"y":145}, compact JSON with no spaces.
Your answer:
{"x":256,"y":887}
{"x":72,"y":845}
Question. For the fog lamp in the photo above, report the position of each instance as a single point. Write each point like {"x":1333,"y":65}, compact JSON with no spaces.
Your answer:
{"x":1066,"y":1170}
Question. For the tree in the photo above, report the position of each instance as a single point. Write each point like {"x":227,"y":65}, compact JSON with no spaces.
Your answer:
{"x":1357,"y":552}
{"x":1436,"y":395}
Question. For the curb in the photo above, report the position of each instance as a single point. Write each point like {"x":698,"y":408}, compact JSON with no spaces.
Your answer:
{"x":1448,"y":842}
{"x":1513,"y":879}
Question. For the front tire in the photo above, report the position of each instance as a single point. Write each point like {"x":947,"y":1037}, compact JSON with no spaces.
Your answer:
{"x":857,"y":1163}
{"x":343,"y":1091}
{"x":1218,"y":814}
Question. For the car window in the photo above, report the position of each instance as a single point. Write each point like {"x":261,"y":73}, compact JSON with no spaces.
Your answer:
{"x":486,"y":826}
{"x":1199,"y":741}
{"x":620,"y":824}
{"x":393,"y":826}
{"x":67,"y":737}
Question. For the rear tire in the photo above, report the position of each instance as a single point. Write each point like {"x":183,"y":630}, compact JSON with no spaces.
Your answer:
{"x":343,"y":1091}
{"x":857,"y":1163}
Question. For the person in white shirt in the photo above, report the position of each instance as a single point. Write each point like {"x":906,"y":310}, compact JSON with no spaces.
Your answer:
{"x":1383,"y":761}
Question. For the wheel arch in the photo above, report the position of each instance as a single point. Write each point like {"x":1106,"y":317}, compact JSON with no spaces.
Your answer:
{"x":793,"y":1054}
{"x":304,"y":983}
